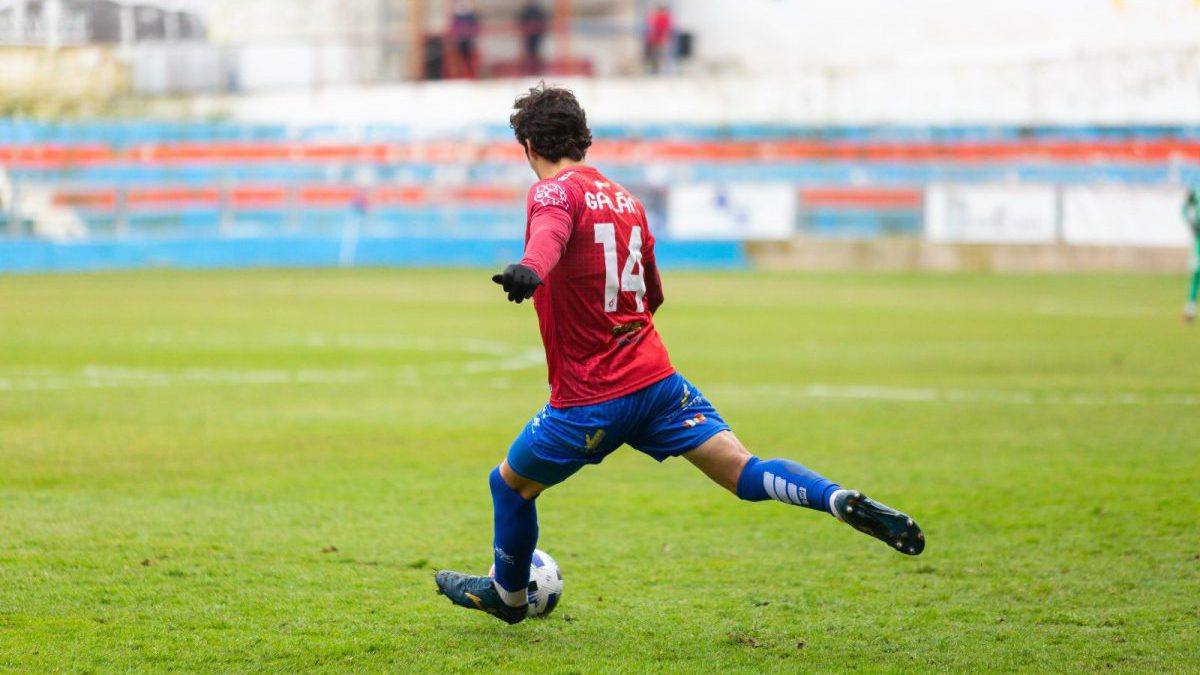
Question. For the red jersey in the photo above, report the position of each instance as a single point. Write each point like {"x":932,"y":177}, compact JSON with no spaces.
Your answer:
{"x":658,"y":30}
{"x":587,"y":238}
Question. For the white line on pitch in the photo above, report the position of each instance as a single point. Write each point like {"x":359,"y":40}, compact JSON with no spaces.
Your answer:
{"x":108,"y":376}
{"x":349,"y":341}
{"x":938,"y":395}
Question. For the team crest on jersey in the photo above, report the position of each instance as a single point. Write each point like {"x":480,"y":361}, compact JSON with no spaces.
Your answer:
{"x":550,"y":194}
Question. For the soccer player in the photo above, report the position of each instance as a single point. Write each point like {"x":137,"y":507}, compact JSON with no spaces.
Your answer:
{"x":589,"y":267}
{"x":1191,"y":214}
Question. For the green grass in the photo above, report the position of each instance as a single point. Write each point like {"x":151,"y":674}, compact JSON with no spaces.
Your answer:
{"x":181,"y":453}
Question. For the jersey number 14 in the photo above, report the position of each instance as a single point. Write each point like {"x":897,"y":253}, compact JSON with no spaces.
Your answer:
{"x":631,"y":280}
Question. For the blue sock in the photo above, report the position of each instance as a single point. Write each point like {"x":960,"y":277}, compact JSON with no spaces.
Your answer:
{"x":516,"y":533}
{"x":784,"y":481}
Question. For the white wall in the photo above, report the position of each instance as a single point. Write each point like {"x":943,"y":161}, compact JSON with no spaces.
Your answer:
{"x":991,"y":214}
{"x":1082,"y":215}
{"x":1147,"y":89}
{"x":780,"y":35}
{"x":826,"y":62}
{"x":1117,"y":215}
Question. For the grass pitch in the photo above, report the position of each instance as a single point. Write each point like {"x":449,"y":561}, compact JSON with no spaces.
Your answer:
{"x":231,"y":471}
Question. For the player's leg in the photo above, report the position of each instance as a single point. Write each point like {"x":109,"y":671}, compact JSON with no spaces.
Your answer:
{"x":1189,"y":310}
{"x":723,"y":459}
{"x":514,"y":538}
{"x":684,"y":423}
{"x":551,"y":448}
{"x":515,"y":531}
{"x":728,"y":463}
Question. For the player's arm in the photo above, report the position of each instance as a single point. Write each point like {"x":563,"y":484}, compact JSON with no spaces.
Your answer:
{"x":549,"y":231}
{"x":654,"y":292}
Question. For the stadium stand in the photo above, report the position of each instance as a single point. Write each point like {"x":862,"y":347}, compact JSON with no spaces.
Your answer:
{"x":193,"y":179}
{"x":855,"y":138}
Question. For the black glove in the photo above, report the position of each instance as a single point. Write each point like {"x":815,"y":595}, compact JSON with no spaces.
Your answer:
{"x":519,"y":282}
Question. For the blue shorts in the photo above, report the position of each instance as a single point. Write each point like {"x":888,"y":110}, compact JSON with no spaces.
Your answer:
{"x":665,"y":419}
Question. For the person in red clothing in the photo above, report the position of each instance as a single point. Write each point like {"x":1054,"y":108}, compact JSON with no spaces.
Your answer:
{"x":591,"y":270}
{"x":660,"y":27}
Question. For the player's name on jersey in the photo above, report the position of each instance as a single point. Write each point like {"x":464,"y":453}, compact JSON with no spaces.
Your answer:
{"x":599,"y":201}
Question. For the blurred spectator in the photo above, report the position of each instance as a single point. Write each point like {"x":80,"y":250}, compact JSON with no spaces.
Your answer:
{"x":533,"y":19}
{"x":464,"y":31}
{"x":659,"y":30}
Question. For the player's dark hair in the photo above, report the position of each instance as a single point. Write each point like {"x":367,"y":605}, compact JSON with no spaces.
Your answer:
{"x":553,"y":122}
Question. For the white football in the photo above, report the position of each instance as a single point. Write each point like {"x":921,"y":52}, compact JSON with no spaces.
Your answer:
{"x":545,"y":583}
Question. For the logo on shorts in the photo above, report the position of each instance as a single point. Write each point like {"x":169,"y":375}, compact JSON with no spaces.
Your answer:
{"x":537,"y":420}
{"x":698,"y":419}
{"x":592,"y":441}
{"x":691,"y":398}
{"x":550,"y":194}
